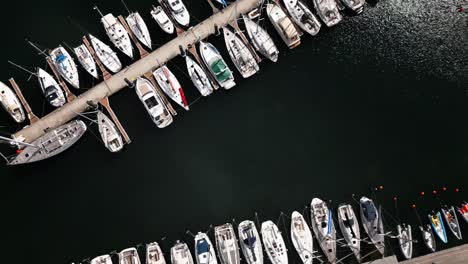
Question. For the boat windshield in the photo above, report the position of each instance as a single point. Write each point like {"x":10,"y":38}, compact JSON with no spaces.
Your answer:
{"x":151,"y":102}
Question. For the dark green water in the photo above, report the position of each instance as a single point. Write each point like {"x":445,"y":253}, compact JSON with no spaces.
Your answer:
{"x":380,"y":99}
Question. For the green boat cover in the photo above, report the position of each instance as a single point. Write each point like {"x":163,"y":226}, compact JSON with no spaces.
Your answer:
{"x":220,"y":70}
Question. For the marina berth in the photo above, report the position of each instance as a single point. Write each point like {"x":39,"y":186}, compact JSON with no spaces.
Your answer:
{"x":50,"y":88}
{"x":65,"y":66}
{"x":138,"y":26}
{"x":283,"y":25}
{"x":250,"y":242}
{"x":154,"y":254}
{"x":162,"y":19}
{"x":106,"y":55}
{"x":11,"y":103}
{"x":260,"y":39}
{"x":86,"y":60}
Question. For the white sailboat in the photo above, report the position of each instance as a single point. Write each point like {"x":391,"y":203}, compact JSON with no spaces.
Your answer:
{"x":162,"y":19}
{"x":171,"y":86}
{"x":328,"y":12}
{"x":301,"y":237}
{"x":179,"y":11}
{"x":180,"y":254}
{"x":104,"y":259}
{"x":217,"y":66}
{"x":302,"y":16}
{"x":11,"y":103}
{"x":350,"y":228}
{"x":154,"y":254}
{"x":153,"y":103}
{"x":226,"y":244}
{"x":240,"y":54}
{"x":274,"y":243}
{"x":405,"y":240}
{"x":65,"y":66}
{"x":261,"y":40}
{"x":428,"y":237}
{"x":283,"y":25}
{"x":106,"y":55}
{"x":138,"y":26}
{"x":86,"y":60}
{"x":324,"y":228}
{"x":109,"y":133}
{"x":250,"y":242}
{"x":198,"y":77}
{"x":50,"y":88}
{"x":129,"y":256}
{"x":204,"y":250}
{"x":117,"y":33}
{"x":372,"y":222}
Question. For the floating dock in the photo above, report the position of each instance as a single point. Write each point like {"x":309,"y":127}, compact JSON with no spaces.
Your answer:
{"x":139,"y":68}
{"x":456,"y":255}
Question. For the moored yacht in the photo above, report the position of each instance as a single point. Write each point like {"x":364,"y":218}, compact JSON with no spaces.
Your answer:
{"x":301,"y":237}
{"x":274,"y":243}
{"x":451,"y":218}
{"x":138,"y":26}
{"x":283,"y":25}
{"x":357,"y":6}
{"x":226,"y":244}
{"x":109,"y":133}
{"x":328,"y":12}
{"x":372,"y":221}
{"x":324,"y":228}
{"x":11,"y":103}
{"x":162,"y":19}
{"x":65,"y":66}
{"x":240,"y":54}
{"x":261,"y":40}
{"x":153,"y":102}
{"x":250,"y":242}
{"x":86,"y":60}
{"x":129,"y":256}
{"x":204,"y":250}
{"x":349,"y":226}
{"x":50,"y":88}
{"x":198,"y":77}
{"x":302,"y":16}
{"x":180,"y":254}
{"x":117,"y":33}
{"x":106,"y":55}
{"x":154,"y":254}
{"x":438,"y":225}
{"x":171,"y":86}
{"x":104,"y":259}
{"x":405,"y":240}
{"x":216,"y":64}
{"x":179,"y":11}
{"x":428,"y":237}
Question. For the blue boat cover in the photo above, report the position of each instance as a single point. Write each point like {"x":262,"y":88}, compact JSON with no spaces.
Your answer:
{"x":60,"y":58}
{"x":202,"y":246}
{"x":250,"y":241}
{"x":369,"y":210}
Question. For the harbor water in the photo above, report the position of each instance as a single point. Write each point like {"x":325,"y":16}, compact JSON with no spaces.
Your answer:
{"x":378,"y":100}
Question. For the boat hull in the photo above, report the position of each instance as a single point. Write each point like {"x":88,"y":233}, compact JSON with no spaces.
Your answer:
{"x":250,"y":242}
{"x":109,"y":133}
{"x":226,"y":244}
{"x":153,"y":103}
{"x":154,"y":254}
{"x":198,"y":77}
{"x":373,"y":227}
{"x":438,"y":226}
{"x":106,"y":55}
{"x":451,"y":219}
{"x":301,"y":237}
{"x":324,"y":228}
{"x":349,"y":227}
{"x":261,"y":40}
{"x":302,"y":16}
{"x":428,"y":237}
{"x":240,"y":54}
{"x":283,"y":25}
{"x":138,"y":26}
{"x":328,"y":11}
{"x":11,"y":103}
{"x":65,"y":66}
{"x":216,"y":65}
{"x":405,"y":240}
{"x":86,"y":60}
{"x":274,"y":243}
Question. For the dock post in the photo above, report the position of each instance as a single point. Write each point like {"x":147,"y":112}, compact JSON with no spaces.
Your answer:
{"x":69,"y":94}
{"x":31,"y":116}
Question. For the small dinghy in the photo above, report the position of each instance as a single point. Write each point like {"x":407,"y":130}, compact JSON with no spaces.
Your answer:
{"x":53,"y":142}
{"x":301,"y":237}
{"x":106,"y":55}
{"x":428,"y":237}
{"x":216,"y":64}
{"x":302,"y":16}
{"x":261,"y":40}
{"x":405,"y":240}
{"x":50,"y":88}
{"x":180,"y":254}
{"x":65,"y":66}
{"x":109,"y":133}
{"x":129,"y":256}
{"x":104,"y":259}
{"x":226,"y":244}
{"x":328,"y":12}
{"x":274,"y":243}
{"x":154,"y":254}
{"x":324,"y":228}
{"x":179,"y":12}
{"x":138,"y":26}
{"x":198,"y":77}
{"x":162,"y":19}
{"x":11,"y":103}
{"x":349,"y":227}
{"x":438,"y":226}
{"x":240,"y":54}
{"x":357,"y":6}
{"x":250,"y":242}
{"x":283,"y":25}
{"x":372,"y":222}
{"x":170,"y":85}
{"x":86,"y":60}
{"x":153,"y":102}
{"x":117,"y":34}
{"x":450,"y":217}
{"x":204,"y":250}
{"x":463,"y":210}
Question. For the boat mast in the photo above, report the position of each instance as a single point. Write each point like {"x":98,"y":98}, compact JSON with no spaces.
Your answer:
{"x":126,"y":7}
{"x":37,"y":48}
{"x":99,"y":11}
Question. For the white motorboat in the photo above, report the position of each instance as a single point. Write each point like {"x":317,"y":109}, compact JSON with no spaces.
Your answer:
{"x":438,"y":225}
{"x":216,"y":64}
{"x":162,"y":19}
{"x":154,"y":254}
{"x":261,"y":40}
{"x":274,"y":243}
{"x":138,"y":26}
{"x":65,"y":66}
{"x":349,"y":226}
{"x":179,"y":11}
{"x":198,"y":77}
{"x":428,"y":237}
{"x":324,"y":228}
{"x":405,"y":240}
{"x":104,"y":259}
{"x":171,"y":86}
{"x":109,"y":133}
{"x":53,"y":142}
{"x":301,"y":237}
{"x":204,"y":250}
{"x":86,"y":60}
{"x":463,"y":210}
{"x":451,"y":218}
{"x":106,"y":55}
{"x":240,"y":54}
{"x":302,"y":16}
{"x":153,"y":102}
{"x":328,"y":12}
{"x":50,"y":88}
{"x":11,"y":103}
{"x":357,"y":6}
{"x":226,"y":244}
{"x":117,"y":33}
{"x":250,"y":242}
{"x":129,"y":256}
{"x":372,"y":221}
{"x":180,"y":254}
{"x":283,"y":25}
